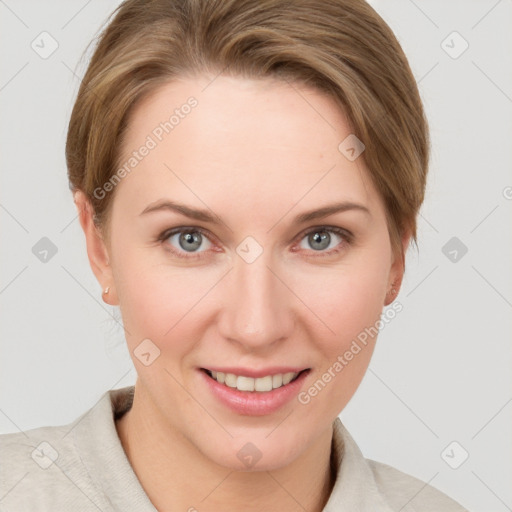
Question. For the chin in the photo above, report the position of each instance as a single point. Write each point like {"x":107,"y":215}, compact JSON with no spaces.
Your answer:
{"x":242,"y":454}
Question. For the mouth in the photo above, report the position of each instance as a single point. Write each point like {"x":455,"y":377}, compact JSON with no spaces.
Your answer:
{"x":256,"y":385}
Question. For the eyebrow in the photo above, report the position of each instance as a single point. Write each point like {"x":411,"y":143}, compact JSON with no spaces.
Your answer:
{"x":206,"y":216}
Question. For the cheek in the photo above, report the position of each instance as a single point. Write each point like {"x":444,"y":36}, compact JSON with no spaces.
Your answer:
{"x":349,"y":303}
{"x":346,"y":299}
{"x":351,"y":309}
{"x":159,"y":302}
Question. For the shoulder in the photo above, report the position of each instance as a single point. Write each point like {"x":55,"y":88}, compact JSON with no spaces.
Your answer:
{"x":42,"y":470}
{"x":407,"y":493}
{"x":365,"y":484}
{"x":31,"y":448}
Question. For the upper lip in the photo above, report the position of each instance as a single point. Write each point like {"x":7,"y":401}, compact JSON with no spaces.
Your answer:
{"x":256,"y":373}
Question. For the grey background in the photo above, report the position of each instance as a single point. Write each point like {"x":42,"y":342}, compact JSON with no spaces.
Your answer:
{"x":441,"y":371}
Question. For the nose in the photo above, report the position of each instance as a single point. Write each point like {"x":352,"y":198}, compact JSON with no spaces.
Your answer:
{"x":258,"y":308}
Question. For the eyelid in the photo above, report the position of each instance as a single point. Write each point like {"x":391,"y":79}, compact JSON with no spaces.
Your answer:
{"x":178,"y":229}
{"x":336,"y":229}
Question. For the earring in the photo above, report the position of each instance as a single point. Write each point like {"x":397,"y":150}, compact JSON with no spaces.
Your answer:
{"x":106,"y":290}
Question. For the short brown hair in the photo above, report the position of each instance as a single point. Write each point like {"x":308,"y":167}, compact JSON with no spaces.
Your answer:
{"x":341,"y":47}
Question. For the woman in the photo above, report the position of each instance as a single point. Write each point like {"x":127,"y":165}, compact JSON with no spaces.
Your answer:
{"x":247,"y":176}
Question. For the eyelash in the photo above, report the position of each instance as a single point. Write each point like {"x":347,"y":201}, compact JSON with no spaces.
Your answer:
{"x":343,"y":233}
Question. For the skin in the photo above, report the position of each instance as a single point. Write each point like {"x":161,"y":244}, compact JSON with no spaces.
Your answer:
{"x":255,"y":153}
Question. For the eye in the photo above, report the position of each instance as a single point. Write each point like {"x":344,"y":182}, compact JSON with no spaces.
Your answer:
{"x":185,"y":242}
{"x":319,"y":238}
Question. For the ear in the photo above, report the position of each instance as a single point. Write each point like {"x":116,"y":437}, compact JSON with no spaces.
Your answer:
{"x":397,"y":270}
{"x":97,"y":250}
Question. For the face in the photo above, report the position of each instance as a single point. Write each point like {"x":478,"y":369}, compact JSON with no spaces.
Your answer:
{"x":246,"y":285}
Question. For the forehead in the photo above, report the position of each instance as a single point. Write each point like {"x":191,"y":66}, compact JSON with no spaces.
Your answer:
{"x":267,"y":111}
{"x":263,"y":139}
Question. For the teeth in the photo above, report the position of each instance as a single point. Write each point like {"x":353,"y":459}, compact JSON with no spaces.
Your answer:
{"x":262,"y":384}
{"x":277,"y":380}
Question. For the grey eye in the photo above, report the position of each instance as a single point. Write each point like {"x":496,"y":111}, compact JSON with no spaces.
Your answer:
{"x":319,"y":240}
{"x":189,"y":241}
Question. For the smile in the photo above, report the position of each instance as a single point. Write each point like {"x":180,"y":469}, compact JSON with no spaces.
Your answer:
{"x":260,"y":384}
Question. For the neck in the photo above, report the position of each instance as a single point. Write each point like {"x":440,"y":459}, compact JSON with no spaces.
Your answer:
{"x":177,"y":476}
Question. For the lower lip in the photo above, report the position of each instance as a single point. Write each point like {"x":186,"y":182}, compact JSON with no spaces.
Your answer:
{"x":254,"y":403}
